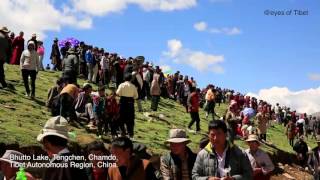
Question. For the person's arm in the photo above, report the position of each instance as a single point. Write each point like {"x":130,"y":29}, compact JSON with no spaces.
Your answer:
{"x":22,"y":60}
{"x":189,"y":101}
{"x":197,"y":171}
{"x":165,"y":169}
{"x":268,"y":165}
{"x":246,"y":169}
{"x":119,"y":91}
{"x":37,"y":62}
{"x":135,"y":93}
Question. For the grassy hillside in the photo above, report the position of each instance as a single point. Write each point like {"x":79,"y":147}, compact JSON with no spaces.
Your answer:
{"x":21,"y":119}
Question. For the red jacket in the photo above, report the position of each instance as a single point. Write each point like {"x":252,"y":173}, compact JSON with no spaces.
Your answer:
{"x":193,"y":102}
{"x":112,"y":107}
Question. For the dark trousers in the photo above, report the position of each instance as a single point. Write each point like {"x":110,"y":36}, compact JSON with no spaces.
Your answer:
{"x":66,"y":107}
{"x":105,"y":77}
{"x":127,"y":115}
{"x":291,"y":142}
{"x":113,"y":124}
{"x":33,"y":75}
{"x":2,"y":76}
{"x":101,"y":123}
{"x":195,"y":118}
{"x":154,"y":103}
{"x":70,"y":76}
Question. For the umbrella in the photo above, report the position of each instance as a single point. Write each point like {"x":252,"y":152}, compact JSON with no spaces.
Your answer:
{"x":73,"y":41}
{"x":249,"y":112}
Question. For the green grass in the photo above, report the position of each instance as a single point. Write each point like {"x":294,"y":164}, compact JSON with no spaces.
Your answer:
{"x":22,"y":123}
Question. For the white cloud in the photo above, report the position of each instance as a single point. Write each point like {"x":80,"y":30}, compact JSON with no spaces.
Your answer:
{"x":103,"y":7}
{"x":41,"y":16}
{"x":199,"y":60}
{"x":203,"y":26}
{"x":38,"y":16}
{"x":166,"y":68}
{"x":227,"y":31}
{"x":314,"y":77}
{"x":303,"y":101}
{"x":200,"y":26}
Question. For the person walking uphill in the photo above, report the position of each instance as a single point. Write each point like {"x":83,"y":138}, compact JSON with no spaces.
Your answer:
{"x":128,"y":93}
{"x":155,"y":90}
{"x":69,"y":66}
{"x":193,"y":108}
{"x":219,"y":159}
{"x":29,"y":64}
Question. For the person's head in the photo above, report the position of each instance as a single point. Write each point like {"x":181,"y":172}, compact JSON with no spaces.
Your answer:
{"x":4,"y":30}
{"x":53,"y":144}
{"x":31,"y":46}
{"x":12,"y":35}
{"x":301,"y":138}
{"x":253,"y":142}
{"x":217,"y":133}
{"x":101,"y":91}
{"x":122,"y":148}
{"x":54,"y":135}
{"x":34,"y":36}
{"x":178,"y":141}
{"x":192,"y":89}
{"x":97,"y":148}
{"x":8,"y":165}
{"x":87,"y":88}
{"x":59,"y":82}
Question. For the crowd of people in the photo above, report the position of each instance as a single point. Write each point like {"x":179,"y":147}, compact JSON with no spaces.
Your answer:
{"x":110,"y":110}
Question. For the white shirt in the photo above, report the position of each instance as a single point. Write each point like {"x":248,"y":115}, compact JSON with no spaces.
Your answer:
{"x":127,"y":89}
{"x":29,"y":60}
{"x":221,"y":163}
{"x":260,"y":159}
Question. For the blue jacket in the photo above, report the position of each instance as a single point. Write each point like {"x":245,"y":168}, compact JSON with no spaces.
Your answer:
{"x":89,"y":57}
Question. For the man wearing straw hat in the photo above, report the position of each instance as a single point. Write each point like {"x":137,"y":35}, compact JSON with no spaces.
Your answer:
{"x":54,"y":138}
{"x":10,"y":163}
{"x":179,"y":162}
{"x":4,"y":45}
{"x":260,"y":161}
{"x":314,"y":160}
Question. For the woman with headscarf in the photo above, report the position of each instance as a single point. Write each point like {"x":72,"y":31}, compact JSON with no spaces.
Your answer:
{"x":29,"y":64}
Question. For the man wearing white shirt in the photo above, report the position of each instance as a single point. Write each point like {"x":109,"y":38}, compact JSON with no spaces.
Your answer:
{"x":260,"y":161}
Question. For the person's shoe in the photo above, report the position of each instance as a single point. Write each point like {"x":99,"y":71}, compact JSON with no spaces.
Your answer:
{"x":27,"y":95}
{"x":99,"y":137}
{"x":32,"y":96}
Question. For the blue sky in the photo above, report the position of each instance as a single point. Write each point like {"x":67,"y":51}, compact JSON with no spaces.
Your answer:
{"x":269,"y":50}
